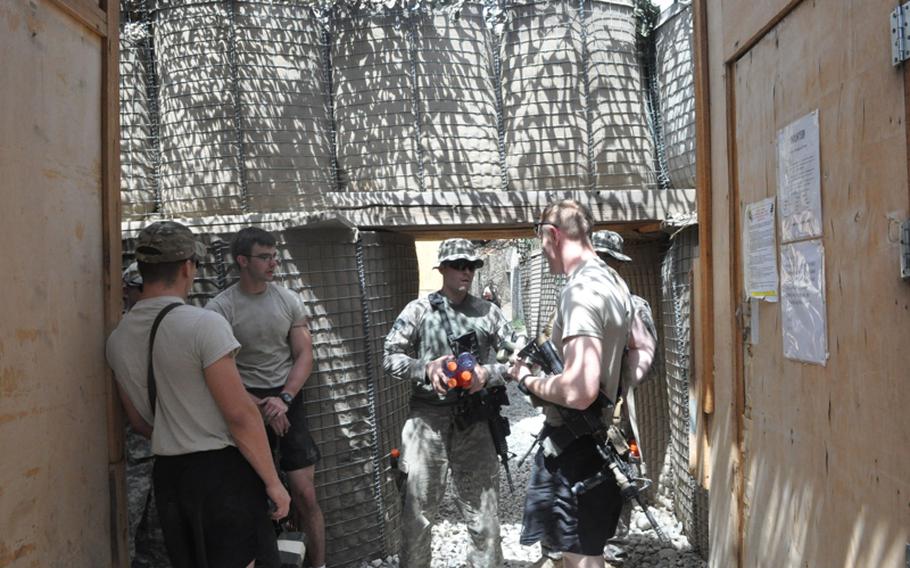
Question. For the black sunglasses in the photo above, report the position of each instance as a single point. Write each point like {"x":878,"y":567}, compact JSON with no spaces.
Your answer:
{"x":461,"y":264}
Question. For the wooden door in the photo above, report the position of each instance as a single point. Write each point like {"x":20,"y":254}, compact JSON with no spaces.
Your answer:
{"x":823,"y":482}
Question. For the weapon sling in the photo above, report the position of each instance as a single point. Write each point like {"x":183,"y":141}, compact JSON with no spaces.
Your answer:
{"x":152,"y":388}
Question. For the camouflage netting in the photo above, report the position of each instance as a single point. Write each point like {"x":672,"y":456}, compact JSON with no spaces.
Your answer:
{"x":676,"y":77}
{"x":353,"y":289}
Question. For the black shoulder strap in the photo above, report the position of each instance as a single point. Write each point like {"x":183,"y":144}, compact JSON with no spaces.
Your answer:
{"x":152,"y":389}
{"x":439,"y":304}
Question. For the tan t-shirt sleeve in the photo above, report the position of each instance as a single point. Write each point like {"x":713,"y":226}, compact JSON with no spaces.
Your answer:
{"x":582,"y":313}
{"x":214,"y":338}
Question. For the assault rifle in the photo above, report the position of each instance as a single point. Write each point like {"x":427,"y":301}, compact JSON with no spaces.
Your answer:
{"x":609,"y":441}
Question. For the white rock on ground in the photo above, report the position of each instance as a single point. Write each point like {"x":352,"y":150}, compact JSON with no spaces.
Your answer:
{"x":641,"y":546}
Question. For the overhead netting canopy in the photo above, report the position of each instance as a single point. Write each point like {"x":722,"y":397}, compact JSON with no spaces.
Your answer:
{"x":354,"y":285}
{"x":263,"y":106}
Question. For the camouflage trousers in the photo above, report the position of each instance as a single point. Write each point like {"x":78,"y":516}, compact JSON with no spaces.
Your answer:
{"x":431,"y":446}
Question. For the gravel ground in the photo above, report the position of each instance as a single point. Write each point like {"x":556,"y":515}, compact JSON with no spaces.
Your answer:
{"x":641,"y":546}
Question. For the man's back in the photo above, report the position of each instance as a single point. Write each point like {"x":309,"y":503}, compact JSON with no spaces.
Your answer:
{"x":189,"y":339}
{"x":261,"y":322}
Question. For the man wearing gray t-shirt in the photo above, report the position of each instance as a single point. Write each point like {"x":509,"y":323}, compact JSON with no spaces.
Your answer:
{"x":275,"y":361}
{"x":213,"y":471}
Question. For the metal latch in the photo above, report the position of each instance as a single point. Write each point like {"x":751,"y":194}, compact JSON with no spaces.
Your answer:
{"x":900,"y":34}
{"x":905,"y":250}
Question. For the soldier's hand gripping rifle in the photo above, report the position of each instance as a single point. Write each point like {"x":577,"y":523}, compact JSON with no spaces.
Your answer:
{"x":486,"y":404}
{"x":609,"y":441}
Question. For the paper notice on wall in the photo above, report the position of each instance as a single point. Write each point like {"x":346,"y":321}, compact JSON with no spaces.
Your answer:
{"x":760,"y":248}
{"x":802,"y":292}
{"x":799,"y":179}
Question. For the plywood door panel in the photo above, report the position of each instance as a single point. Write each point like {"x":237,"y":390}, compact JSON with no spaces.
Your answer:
{"x":825,"y":456}
{"x":54,"y":502}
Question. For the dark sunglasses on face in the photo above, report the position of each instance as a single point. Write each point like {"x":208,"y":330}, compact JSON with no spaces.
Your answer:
{"x":462,"y":264}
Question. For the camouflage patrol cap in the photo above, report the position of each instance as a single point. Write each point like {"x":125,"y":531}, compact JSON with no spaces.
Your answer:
{"x":457,"y":249}
{"x":609,"y":242}
{"x":167,"y":241}
{"x":131,"y":276}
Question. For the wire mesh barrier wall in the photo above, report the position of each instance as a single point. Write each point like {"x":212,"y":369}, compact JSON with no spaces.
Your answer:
{"x":644,"y":279}
{"x":542,"y":103}
{"x":375,"y":104}
{"x":689,"y":499}
{"x":138,"y":168}
{"x":622,"y":149}
{"x":540,"y":292}
{"x":283,"y":113}
{"x":676,"y":76}
{"x":353,"y":289}
{"x":458,"y":123}
{"x":267,"y":106}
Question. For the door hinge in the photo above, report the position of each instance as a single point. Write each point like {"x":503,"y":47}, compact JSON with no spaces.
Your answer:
{"x":900,"y":34}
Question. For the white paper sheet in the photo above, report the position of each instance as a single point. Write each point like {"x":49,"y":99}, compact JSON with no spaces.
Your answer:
{"x":760,"y":246}
{"x":799,"y":179}
{"x":803,"y":312}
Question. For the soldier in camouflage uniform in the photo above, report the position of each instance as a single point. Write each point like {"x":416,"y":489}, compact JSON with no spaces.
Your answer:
{"x":416,"y":349}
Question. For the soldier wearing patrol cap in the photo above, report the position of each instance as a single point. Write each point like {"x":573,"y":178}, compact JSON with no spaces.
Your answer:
{"x":433,"y":441}
{"x":213,"y":468}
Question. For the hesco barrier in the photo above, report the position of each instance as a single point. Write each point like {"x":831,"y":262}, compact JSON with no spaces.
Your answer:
{"x":354,"y":285}
{"x":264,"y":106}
{"x":138,"y":140}
{"x":375,"y":105}
{"x":676,"y":78}
{"x":644,"y":279}
{"x":459,"y":134}
{"x":689,"y":498}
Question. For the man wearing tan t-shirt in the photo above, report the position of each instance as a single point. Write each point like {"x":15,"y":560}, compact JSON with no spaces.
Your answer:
{"x":591,"y":330}
{"x":213,"y":471}
{"x":275,"y":361}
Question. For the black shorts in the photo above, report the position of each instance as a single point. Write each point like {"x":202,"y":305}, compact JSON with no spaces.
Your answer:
{"x":213,"y":510}
{"x":560,"y":520}
{"x":296,"y":449}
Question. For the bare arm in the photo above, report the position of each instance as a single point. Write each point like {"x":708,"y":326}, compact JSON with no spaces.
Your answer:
{"x":245,"y":424}
{"x":136,"y":420}
{"x":641,"y":349}
{"x":302,"y":351}
{"x":578,"y":386}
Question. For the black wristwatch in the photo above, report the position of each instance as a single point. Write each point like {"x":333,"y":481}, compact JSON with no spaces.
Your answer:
{"x":286,"y":398}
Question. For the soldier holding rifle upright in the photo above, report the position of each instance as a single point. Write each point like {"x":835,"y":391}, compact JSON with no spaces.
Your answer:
{"x":590,"y":332}
{"x":441,"y":433}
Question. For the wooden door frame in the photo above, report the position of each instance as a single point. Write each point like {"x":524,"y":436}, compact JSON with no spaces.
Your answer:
{"x":102,"y":18}
{"x":736,"y":268}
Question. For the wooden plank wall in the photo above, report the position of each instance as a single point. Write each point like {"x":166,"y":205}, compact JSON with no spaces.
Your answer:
{"x":809,"y":463}
{"x":61,"y":470}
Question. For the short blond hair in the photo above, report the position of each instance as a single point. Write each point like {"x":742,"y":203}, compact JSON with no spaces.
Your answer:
{"x":573,"y":219}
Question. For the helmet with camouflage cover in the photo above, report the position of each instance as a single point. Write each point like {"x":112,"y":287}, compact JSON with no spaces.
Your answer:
{"x":451,"y":250}
{"x":609,"y":242}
